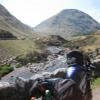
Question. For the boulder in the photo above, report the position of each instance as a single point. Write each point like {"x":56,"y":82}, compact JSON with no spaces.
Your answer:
{"x":16,"y":91}
{"x":61,"y":72}
{"x":19,"y":90}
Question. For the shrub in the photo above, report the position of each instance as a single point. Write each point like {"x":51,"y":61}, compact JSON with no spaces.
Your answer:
{"x":5,"y":69}
{"x":33,"y":57}
{"x":22,"y":60}
{"x":19,"y":65}
{"x":37,"y":56}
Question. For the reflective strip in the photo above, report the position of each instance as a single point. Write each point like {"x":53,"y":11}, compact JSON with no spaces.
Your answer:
{"x":70,"y":71}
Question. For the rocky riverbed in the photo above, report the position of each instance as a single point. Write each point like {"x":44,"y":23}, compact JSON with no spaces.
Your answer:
{"x":54,"y":62}
{"x":55,"y":66}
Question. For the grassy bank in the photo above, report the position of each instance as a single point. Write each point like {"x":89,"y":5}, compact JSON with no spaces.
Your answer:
{"x":17,"y":46}
{"x":9,"y":48}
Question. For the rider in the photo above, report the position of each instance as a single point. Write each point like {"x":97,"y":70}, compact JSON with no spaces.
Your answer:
{"x":77,"y":62}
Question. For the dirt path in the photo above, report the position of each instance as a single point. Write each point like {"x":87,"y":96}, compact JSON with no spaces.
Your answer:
{"x":96,"y":94}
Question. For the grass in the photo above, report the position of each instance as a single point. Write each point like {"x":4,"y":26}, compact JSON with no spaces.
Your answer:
{"x":5,"y":69}
{"x":96,"y":83}
{"x":9,"y":48}
{"x":93,"y":42}
{"x":17,"y":47}
{"x":87,"y":42}
{"x":19,"y":65}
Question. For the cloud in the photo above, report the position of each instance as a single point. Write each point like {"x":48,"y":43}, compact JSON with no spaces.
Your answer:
{"x":93,"y":12}
{"x":32,"y":12}
{"x":98,"y":20}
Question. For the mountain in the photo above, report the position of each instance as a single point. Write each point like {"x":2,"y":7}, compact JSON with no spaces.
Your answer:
{"x":14,"y":36}
{"x":10,"y":24}
{"x":68,"y":23}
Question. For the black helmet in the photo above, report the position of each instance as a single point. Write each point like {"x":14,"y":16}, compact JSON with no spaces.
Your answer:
{"x":75,"y":57}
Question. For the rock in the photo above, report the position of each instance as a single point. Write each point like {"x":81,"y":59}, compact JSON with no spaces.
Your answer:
{"x":61,"y":72}
{"x":41,"y":76}
{"x":16,"y":91}
{"x":59,"y":62}
{"x":54,"y":49}
{"x":97,"y":61}
{"x":9,"y":92}
{"x":20,"y":81}
{"x":4,"y":85}
{"x":19,"y":90}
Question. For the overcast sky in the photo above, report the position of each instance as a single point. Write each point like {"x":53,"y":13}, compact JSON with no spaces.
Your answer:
{"x":33,"y":12}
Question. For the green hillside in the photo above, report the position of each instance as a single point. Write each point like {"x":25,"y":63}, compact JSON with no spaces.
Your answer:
{"x":88,"y":42}
{"x":16,"y":47}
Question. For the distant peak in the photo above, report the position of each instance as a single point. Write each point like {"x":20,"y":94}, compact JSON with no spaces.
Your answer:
{"x":69,"y":23}
{"x":71,"y":10}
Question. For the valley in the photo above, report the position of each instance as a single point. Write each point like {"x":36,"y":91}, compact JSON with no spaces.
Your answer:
{"x":40,"y":51}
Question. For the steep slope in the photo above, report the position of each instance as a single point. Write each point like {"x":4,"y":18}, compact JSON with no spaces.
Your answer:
{"x":14,"y":36}
{"x":68,"y":23}
{"x":11,"y":24}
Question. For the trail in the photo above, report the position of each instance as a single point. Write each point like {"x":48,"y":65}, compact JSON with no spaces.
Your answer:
{"x":96,"y":94}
